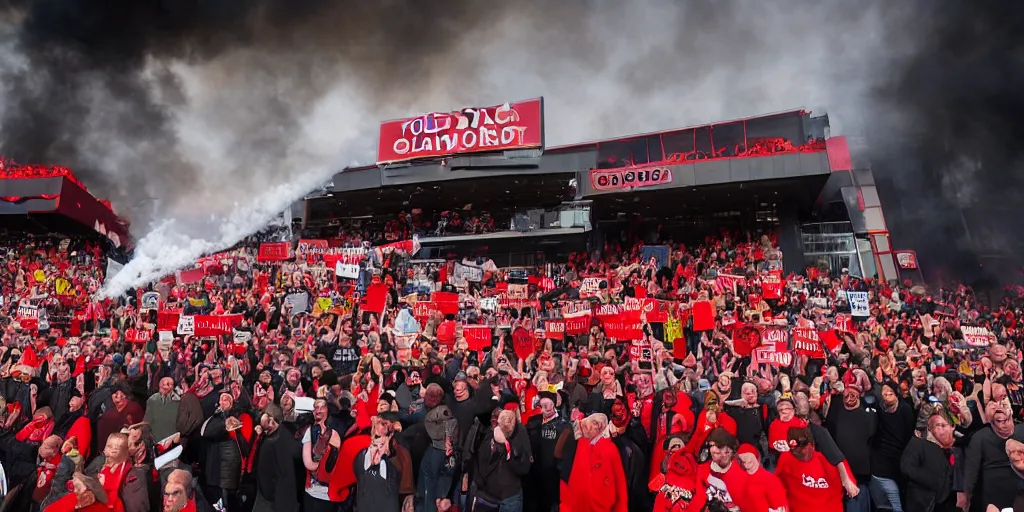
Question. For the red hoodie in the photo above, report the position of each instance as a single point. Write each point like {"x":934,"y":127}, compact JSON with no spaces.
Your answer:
{"x":811,"y":486}
{"x":764,"y":493}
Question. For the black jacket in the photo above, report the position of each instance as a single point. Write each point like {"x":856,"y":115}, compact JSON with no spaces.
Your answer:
{"x":929,"y":474}
{"x":223,"y":453}
{"x":499,"y":473}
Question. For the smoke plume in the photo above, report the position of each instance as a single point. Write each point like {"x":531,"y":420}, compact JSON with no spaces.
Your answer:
{"x":950,"y":154}
{"x":202,"y":119}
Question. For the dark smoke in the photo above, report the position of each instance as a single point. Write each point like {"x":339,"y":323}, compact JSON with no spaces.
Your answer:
{"x":952,"y":156}
{"x":82,"y":54}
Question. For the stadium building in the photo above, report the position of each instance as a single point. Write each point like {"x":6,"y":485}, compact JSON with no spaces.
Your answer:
{"x":482,"y":179}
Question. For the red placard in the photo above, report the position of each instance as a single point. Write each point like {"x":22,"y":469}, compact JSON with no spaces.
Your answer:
{"x":518,"y":125}
{"x":806,"y":342}
{"x":445,"y":302}
{"x":577,"y":325}
{"x":478,"y":337}
{"x":555,"y":329}
{"x":656,"y":311}
{"x":216,"y":325}
{"x":771,"y":285}
{"x":273,"y":251}
{"x":136,"y":336}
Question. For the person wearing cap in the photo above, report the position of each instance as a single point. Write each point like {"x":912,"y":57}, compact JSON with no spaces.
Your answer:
{"x":273,"y":464}
{"x":720,"y":479}
{"x":853,"y":425}
{"x":544,"y":429}
{"x":764,"y":491}
{"x":812,"y":483}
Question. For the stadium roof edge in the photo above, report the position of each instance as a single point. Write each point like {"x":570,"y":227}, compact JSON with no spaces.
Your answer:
{"x":581,"y":145}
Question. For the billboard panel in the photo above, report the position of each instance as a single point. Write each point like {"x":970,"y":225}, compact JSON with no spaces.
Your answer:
{"x":470,"y":130}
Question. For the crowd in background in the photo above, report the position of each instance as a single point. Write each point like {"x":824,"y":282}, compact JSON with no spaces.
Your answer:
{"x":705,"y":377}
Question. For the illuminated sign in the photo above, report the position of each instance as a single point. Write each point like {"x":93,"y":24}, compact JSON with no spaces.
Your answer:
{"x":470,"y":130}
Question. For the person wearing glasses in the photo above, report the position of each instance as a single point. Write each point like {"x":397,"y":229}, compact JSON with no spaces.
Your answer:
{"x":811,"y":482}
{"x":931,"y":464}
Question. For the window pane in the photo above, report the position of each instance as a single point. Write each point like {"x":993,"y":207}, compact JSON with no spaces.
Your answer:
{"x":678,"y":145}
{"x":728,"y":139}
{"x":611,"y":155}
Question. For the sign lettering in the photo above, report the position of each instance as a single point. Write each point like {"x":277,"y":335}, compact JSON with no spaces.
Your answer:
{"x":629,"y":177}
{"x":470,"y":130}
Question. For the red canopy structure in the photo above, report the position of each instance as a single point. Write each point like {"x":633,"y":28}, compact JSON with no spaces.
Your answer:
{"x":51,"y":196}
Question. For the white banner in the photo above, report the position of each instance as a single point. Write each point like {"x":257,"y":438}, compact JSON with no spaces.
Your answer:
{"x":489,"y":303}
{"x":468,"y":273}
{"x":299,"y":302}
{"x":347,"y":270}
{"x":859,"y":303}
{"x":590,"y":287}
{"x":186,"y":324}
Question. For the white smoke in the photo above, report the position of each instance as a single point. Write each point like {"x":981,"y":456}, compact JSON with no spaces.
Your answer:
{"x":258,"y":131}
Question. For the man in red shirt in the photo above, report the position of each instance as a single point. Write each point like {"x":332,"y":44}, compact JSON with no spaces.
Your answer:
{"x":811,"y":483}
{"x":764,"y":491}
{"x":720,"y":478}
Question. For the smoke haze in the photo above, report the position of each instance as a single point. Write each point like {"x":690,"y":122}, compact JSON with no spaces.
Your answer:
{"x":200,"y":120}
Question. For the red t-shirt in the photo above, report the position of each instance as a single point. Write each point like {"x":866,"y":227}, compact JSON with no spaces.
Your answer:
{"x":764,"y":493}
{"x":812,"y":486}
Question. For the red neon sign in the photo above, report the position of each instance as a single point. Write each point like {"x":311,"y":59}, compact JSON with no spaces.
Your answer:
{"x":470,"y":130}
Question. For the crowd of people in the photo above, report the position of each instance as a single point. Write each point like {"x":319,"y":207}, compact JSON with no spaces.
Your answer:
{"x":708,"y":379}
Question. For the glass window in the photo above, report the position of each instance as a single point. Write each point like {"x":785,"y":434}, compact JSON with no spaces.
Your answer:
{"x":611,"y":155}
{"x":654,"y":149}
{"x":727,"y":139}
{"x":678,"y":145}
{"x":702,"y":142}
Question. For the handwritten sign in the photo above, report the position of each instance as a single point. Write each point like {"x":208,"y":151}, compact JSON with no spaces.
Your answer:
{"x":859,"y":303}
{"x":186,"y":324}
{"x":977,"y":336}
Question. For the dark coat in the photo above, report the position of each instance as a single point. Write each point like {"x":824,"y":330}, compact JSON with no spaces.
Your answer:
{"x":929,"y":474}
{"x":223,"y":453}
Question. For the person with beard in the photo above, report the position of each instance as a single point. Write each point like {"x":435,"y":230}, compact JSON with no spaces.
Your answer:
{"x":544,"y":429}
{"x":634,"y":461}
{"x":273,"y":463}
{"x":931,"y":465}
{"x":812,"y":483}
{"x":763,"y":490}
{"x":225,"y":437}
{"x":124,"y":412}
{"x":162,"y":409}
{"x":853,"y":426}
{"x":895,"y":430}
{"x":597,"y":481}
{"x":988,"y":477}
{"x":74,"y":427}
{"x":719,"y":480}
